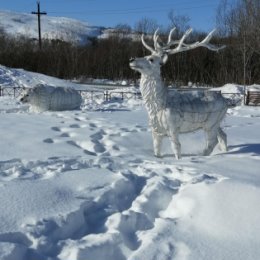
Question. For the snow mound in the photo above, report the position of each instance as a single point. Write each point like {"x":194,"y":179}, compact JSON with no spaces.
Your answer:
{"x":231,"y":88}
{"x":198,"y":209}
{"x":254,"y":87}
{"x":239,"y":89}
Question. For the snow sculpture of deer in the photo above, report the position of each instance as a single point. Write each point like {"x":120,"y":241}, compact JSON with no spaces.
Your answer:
{"x":44,"y":97}
{"x":171,"y":112}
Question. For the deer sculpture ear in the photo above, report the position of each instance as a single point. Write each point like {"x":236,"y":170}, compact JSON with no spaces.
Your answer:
{"x":164,"y":59}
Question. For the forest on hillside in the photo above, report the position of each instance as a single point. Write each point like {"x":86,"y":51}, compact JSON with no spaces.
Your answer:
{"x":238,"y":29}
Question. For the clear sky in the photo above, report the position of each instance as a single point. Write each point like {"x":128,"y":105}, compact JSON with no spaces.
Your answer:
{"x":109,"y":13}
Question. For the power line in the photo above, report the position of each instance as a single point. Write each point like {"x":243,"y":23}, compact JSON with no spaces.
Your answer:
{"x":130,"y":11}
{"x":145,"y":8}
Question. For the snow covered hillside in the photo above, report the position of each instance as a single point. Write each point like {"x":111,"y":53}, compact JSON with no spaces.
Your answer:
{"x":22,"y":24}
{"x":84,"y":185}
{"x":10,"y":77}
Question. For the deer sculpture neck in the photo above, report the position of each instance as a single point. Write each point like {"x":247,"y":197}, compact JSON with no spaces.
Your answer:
{"x":152,"y":88}
{"x":154,"y":94}
{"x":153,"y":91}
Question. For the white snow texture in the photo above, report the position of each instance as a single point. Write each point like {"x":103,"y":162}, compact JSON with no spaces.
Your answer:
{"x":85,"y":185}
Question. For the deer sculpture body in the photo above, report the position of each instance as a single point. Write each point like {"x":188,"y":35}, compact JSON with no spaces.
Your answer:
{"x":171,"y":112}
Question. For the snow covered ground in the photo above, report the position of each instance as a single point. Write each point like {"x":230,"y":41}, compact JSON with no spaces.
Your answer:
{"x":84,"y":185}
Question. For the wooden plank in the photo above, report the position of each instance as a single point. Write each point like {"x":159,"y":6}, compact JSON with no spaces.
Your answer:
{"x":253,"y":98}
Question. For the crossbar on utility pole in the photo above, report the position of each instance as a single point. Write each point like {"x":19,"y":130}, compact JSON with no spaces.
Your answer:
{"x":39,"y":13}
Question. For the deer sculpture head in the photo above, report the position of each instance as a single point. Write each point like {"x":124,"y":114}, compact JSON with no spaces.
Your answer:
{"x":150,"y":65}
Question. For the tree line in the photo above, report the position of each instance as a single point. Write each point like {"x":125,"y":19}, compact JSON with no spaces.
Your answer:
{"x":238,"y":29}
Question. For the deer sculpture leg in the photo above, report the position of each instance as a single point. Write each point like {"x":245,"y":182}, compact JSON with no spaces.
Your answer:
{"x":222,"y":139}
{"x":157,"y":143}
{"x":176,"y":145}
{"x":211,"y":140}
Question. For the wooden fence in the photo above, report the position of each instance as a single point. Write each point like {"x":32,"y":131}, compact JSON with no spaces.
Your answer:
{"x":107,"y":95}
{"x":233,"y":99}
{"x":252,"y":98}
{"x":11,"y":91}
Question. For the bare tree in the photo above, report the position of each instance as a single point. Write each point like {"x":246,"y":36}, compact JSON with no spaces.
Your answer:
{"x":146,"y":26}
{"x":240,"y":24}
{"x":123,"y":30}
{"x":180,"y":22}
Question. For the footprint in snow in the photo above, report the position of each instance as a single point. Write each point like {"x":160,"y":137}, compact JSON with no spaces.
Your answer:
{"x":93,"y":125}
{"x":98,"y":135}
{"x":74,"y":126}
{"x":48,"y":141}
{"x":209,"y":179}
{"x":98,"y":147}
{"x":124,"y":129}
{"x":80,"y":118}
{"x":65,"y":135}
{"x":83,"y":149}
{"x":89,"y":152}
{"x":116,"y":148}
{"x":56,"y":129}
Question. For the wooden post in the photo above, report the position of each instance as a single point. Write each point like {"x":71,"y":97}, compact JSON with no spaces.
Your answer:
{"x":39,"y":13}
{"x":244,"y":64}
{"x":106,"y":95}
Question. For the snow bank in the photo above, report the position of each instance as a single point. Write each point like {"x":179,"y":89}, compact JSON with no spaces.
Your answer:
{"x":253,"y":87}
{"x":10,"y":77}
{"x":216,"y":220}
{"x":231,"y":88}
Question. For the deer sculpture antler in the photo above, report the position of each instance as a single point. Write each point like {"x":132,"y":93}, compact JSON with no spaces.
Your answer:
{"x":181,"y":46}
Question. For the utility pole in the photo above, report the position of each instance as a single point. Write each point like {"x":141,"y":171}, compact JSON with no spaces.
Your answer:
{"x":39,"y":13}
{"x":244,"y":63}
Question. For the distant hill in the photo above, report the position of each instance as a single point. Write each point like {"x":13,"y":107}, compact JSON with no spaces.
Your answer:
{"x":71,"y":30}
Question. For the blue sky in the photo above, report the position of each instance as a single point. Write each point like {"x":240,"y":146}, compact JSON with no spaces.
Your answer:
{"x":110,"y":13}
